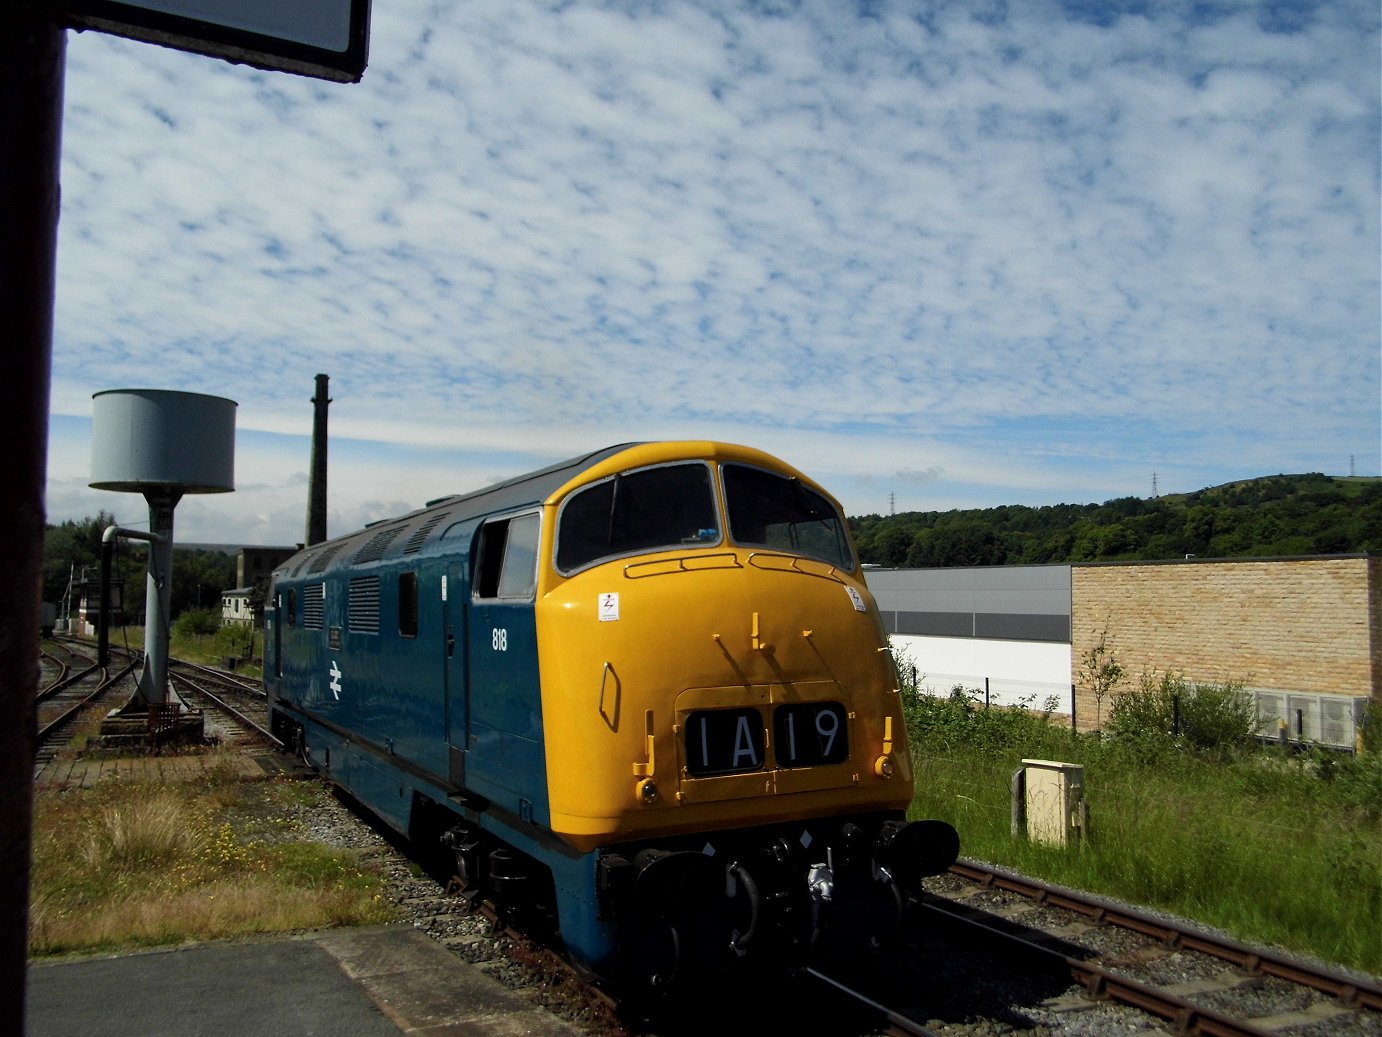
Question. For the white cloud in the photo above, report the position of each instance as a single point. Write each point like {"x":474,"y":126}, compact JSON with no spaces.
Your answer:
{"x":1035,"y":255}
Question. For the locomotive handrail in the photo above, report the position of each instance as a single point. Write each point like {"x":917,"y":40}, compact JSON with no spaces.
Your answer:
{"x":793,"y":564}
{"x":678,"y":564}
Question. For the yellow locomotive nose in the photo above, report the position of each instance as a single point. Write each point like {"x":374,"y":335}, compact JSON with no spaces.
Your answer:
{"x":771,"y":699}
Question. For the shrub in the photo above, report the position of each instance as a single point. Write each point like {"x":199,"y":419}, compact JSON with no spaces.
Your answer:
{"x":1200,"y":716}
{"x":1278,"y":848}
{"x":197,"y":623}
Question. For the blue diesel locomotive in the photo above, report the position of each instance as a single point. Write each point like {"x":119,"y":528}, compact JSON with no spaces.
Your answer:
{"x":643,"y":697}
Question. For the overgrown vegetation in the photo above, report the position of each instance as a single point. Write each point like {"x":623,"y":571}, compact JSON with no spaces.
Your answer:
{"x":1208,"y":717}
{"x":1272,"y":517}
{"x":1274,"y":846}
{"x":196,"y":638}
{"x":125,"y":865}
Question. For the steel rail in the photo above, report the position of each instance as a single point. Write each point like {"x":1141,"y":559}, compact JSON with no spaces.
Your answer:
{"x":223,"y":704}
{"x":107,"y":682}
{"x":248,"y":685}
{"x":899,"y":1023}
{"x":64,"y":667}
{"x":1101,"y":984}
{"x":1349,"y":990}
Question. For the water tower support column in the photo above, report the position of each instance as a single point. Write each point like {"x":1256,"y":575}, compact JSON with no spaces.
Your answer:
{"x":153,"y":683}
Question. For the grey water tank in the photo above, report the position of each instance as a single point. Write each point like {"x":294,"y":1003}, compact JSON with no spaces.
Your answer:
{"x":158,"y":439}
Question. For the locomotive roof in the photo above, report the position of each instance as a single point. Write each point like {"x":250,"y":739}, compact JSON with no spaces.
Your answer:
{"x":415,"y":528}
{"x":369,"y":544}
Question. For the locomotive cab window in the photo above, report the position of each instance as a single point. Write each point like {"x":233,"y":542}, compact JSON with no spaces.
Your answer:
{"x":652,"y":509}
{"x":506,"y":559}
{"x":773,"y":511}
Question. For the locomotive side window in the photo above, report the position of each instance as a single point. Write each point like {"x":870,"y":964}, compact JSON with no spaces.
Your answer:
{"x":668,"y":506}
{"x":407,"y":603}
{"x":768,"y":509}
{"x":506,"y":559}
{"x":292,"y":608}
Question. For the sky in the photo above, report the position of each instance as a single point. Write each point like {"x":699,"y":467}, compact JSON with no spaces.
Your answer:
{"x":935,"y":255}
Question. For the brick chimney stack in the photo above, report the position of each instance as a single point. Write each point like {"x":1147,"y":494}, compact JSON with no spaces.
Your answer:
{"x":316,"y":489}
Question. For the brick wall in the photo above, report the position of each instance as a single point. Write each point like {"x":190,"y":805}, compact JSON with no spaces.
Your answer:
{"x":1310,"y":624}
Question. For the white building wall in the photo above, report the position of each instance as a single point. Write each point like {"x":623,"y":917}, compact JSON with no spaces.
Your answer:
{"x":1014,"y":673}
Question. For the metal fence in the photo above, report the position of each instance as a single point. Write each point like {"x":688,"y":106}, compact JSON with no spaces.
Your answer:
{"x":1284,"y":715}
{"x":1041,"y":696}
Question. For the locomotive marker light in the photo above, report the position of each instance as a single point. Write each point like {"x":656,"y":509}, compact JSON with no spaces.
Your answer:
{"x":162,"y":444}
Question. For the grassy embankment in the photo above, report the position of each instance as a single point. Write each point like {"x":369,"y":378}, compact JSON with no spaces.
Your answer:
{"x":1273,"y":846}
{"x":131,"y":863}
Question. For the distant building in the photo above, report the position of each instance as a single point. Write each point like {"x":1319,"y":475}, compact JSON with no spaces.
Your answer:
{"x":253,"y":565}
{"x":86,"y":589}
{"x":236,"y":607}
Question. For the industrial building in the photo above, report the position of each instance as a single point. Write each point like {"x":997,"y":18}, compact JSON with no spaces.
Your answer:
{"x":1302,"y":635}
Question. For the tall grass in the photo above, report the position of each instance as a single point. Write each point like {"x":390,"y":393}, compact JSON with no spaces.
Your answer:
{"x":1273,"y":847}
{"x":128,"y":864}
{"x":196,"y":642}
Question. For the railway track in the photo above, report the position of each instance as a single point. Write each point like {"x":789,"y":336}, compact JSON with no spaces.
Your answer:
{"x":232,"y":708}
{"x":237,"y":713}
{"x":1194,"y":980}
{"x":73,"y":684}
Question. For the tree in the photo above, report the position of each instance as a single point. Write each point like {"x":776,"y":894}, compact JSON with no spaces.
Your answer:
{"x":1101,"y":672}
{"x":892,"y":545}
{"x":200,"y":578}
{"x":71,"y":547}
{"x":72,"y":550}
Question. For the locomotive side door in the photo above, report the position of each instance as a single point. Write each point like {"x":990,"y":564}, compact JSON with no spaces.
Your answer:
{"x":505,"y":758}
{"x":455,"y":590}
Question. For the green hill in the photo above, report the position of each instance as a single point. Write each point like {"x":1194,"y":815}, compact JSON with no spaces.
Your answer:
{"x":1275,"y":516}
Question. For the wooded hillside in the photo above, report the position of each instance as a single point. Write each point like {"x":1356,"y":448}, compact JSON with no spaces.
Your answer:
{"x":1280,"y":515}
{"x":1264,"y":518}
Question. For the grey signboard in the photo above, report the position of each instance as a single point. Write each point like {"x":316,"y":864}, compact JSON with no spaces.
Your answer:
{"x":325,"y":39}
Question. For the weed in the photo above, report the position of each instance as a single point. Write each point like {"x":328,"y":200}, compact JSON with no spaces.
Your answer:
{"x":128,"y":864}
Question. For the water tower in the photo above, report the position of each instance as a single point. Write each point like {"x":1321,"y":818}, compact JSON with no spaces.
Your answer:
{"x":163,"y":444}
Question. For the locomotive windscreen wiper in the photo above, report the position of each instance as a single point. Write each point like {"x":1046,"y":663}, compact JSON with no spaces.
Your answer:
{"x":613,"y":507}
{"x":804,"y":498}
